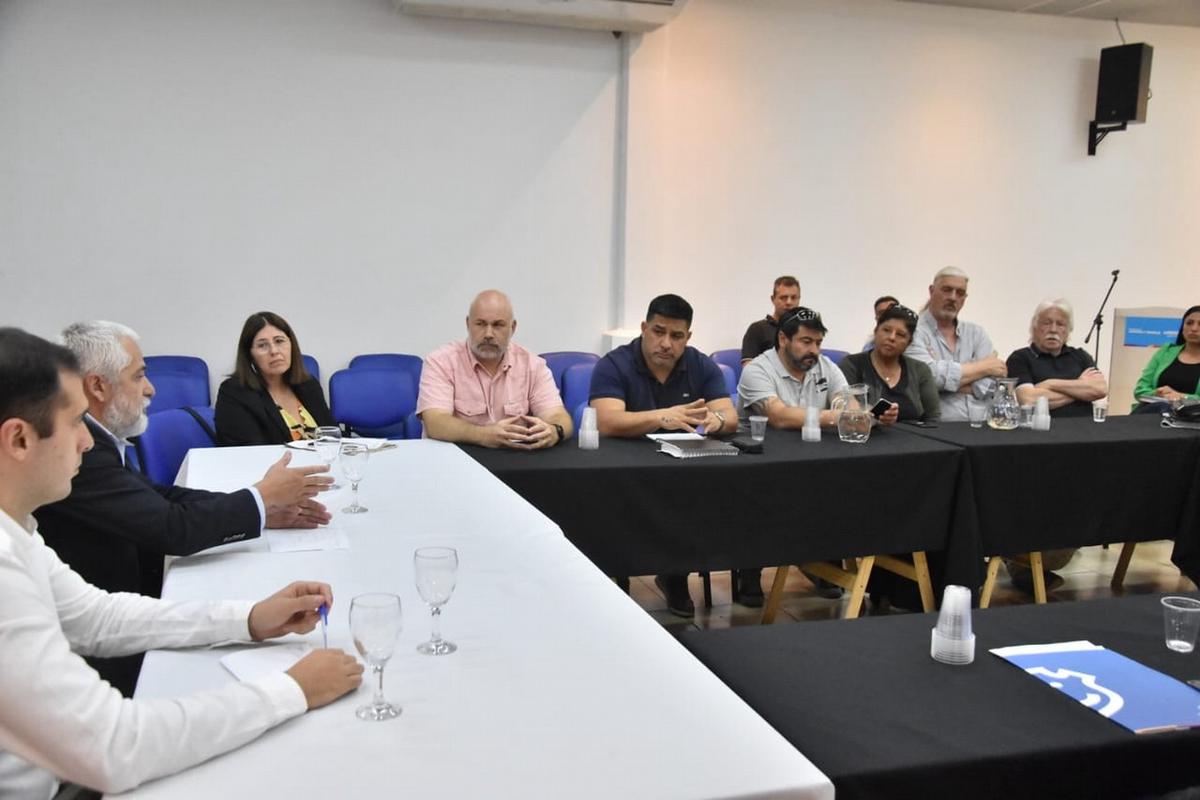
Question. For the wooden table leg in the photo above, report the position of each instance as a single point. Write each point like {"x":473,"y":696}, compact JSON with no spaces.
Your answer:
{"x":776,"y":595}
{"x":1118,"y":578}
{"x":921,"y":564}
{"x":985,"y":596}
{"x":861,"y":576}
{"x":1039,"y":577}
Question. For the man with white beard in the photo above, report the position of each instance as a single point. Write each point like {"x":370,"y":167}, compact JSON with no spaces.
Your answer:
{"x":116,"y":525}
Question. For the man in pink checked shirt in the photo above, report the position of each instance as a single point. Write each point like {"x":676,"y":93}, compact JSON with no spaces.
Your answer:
{"x":489,"y":391}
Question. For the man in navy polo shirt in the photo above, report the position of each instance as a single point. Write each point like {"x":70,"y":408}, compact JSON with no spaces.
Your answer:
{"x":658,"y":383}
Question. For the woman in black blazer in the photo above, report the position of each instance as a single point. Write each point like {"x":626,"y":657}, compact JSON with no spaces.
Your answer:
{"x":270,"y":398}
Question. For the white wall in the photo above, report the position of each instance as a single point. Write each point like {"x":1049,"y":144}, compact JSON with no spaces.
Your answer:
{"x":178,"y":165}
{"x":863,"y":144}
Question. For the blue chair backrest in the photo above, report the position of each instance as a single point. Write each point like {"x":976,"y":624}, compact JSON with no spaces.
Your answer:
{"x":730,"y":381}
{"x":168,"y":438}
{"x":373,"y":402}
{"x":311,"y":365}
{"x":408,"y":364}
{"x":562,"y":360}
{"x":178,"y":381}
{"x":835,"y":356}
{"x":731,"y":359}
{"x":577,"y":383}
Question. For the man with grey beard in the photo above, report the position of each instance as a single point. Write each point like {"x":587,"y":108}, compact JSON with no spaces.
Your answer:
{"x":116,"y":525}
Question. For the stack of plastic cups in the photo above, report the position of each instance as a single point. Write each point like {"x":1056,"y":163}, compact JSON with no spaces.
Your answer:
{"x":952,"y":641}
{"x":1041,"y":414}
{"x":811,"y":432}
{"x":589,"y":435}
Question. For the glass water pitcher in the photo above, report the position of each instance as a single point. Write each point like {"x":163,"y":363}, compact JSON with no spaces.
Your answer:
{"x":1004,"y":410}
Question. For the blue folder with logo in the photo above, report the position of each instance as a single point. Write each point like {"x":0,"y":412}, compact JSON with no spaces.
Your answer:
{"x":1119,"y":688}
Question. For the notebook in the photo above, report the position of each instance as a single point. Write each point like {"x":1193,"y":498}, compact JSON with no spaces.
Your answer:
{"x":1114,"y":686}
{"x":697,"y":449}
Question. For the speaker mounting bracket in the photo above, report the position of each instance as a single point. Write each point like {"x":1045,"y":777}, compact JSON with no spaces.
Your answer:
{"x":1097,"y":132}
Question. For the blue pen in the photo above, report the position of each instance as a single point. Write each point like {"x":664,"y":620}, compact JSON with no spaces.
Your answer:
{"x":324,"y":612}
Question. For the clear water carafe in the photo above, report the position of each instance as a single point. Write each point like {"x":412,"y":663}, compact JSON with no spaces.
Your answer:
{"x":854,"y":419}
{"x":1004,"y":410}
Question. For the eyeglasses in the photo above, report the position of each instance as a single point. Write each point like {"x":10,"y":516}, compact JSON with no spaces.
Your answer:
{"x":265,"y":346}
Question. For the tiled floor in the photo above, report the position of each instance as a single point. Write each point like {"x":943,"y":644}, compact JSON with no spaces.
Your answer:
{"x":1086,"y":577}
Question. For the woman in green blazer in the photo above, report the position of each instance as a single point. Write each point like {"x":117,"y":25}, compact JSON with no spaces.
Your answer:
{"x":1174,"y":371}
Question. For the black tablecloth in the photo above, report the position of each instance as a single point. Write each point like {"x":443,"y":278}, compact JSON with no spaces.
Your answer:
{"x":634,"y":511}
{"x":864,"y":701}
{"x":1083,"y":483}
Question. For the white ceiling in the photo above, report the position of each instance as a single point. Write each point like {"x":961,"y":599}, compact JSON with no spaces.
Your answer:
{"x":1162,"y":12}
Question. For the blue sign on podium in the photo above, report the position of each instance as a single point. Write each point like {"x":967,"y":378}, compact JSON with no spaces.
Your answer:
{"x":1150,"y":331}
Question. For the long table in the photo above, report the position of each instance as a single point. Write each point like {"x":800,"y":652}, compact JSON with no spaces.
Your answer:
{"x":635,"y":511}
{"x":967,"y":492}
{"x":561,"y":687}
{"x":1083,"y":483}
{"x":864,"y":700}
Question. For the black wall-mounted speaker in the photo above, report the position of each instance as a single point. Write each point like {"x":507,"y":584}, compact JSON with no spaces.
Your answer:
{"x":1124,"y":85}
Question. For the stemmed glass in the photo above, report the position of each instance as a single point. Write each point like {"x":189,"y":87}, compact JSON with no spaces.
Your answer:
{"x":354,"y":463}
{"x":436,"y":570}
{"x":375,"y":624}
{"x":327,"y":440}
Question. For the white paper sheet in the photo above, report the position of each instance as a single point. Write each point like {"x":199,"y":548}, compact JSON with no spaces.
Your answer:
{"x":257,"y":662}
{"x":294,"y":540}
{"x":674,"y":437}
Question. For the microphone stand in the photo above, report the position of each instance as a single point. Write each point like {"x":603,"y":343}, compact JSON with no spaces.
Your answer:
{"x":1098,"y":322}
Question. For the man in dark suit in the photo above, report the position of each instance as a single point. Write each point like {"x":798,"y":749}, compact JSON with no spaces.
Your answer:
{"x":116,"y":525}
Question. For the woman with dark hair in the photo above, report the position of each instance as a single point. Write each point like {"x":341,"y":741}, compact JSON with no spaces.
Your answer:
{"x":1174,"y":371}
{"x":270,"y":398}
{"x":889,"y":373}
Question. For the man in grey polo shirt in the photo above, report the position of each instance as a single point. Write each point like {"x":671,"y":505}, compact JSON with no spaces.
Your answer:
{"x":781,"y":384}
{"x":960,"y":354}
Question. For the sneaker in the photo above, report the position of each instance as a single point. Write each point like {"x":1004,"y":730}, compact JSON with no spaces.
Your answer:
{"x":679,"y":600}
{"x":749,"y":586}
{"x":1023,"y":580}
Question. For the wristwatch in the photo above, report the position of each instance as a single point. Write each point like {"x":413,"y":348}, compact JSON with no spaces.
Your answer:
{"x":561,"y":433}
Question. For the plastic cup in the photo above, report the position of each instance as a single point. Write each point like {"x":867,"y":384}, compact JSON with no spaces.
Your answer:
{"x":1181,"y":621}
{"x":953,"y":641}
{"x":1026,"y":418}
{"x":976,"y":412}
{"x":1099,"y":410}
{"x":588,"y":421}
{"x":758,"y":428}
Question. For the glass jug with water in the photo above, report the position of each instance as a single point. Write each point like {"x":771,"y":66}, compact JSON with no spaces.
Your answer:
{"x":854,"y":421}
{"x":1004,"y":410}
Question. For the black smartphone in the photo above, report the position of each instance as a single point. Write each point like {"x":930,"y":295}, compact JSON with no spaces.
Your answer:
{"x":918,"y":423}
{"x":880,"y":407}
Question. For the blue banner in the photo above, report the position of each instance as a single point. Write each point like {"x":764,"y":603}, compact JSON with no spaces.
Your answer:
{"x":1150,"y":331}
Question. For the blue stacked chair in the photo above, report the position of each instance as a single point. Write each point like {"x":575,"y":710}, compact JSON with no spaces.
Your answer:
{"x":731,"y":381}
{"x":562,"y":360}
{"x":168,"y":438}
{"x":835,"y":356}
{"x":731,"y":359}
{"x":372,"y":402}
{"x":403,"y":362}
{"x":311,"y":365}
{"x":178,"y":381}
{"x":576,"y":384}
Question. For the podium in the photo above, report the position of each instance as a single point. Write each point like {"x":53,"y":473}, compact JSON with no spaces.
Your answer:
{"x":1136,"y":334}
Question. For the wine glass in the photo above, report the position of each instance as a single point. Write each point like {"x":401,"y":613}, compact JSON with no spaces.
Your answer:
{"x":436,"y":570}
{"x":354,"y":463}
{"x":375,"y":624}
{"x":327,"y":441}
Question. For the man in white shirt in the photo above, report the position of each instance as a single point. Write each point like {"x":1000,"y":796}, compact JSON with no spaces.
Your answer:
{"x":58,"y":720}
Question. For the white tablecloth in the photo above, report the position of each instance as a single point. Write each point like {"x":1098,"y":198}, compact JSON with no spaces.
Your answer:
{"x":561,"y":687}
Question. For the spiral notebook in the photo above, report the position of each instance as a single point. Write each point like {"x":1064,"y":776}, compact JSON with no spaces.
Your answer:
{"x":696,"y":449}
